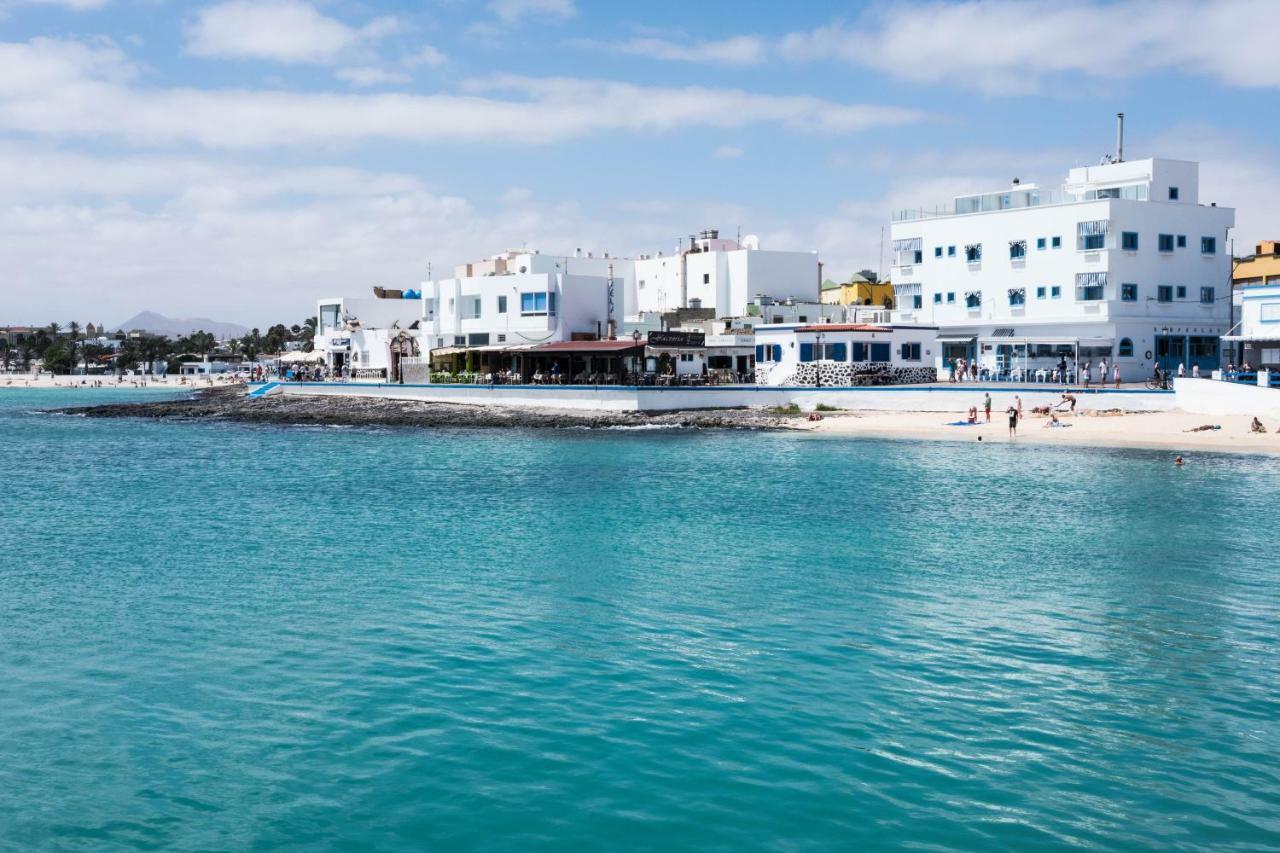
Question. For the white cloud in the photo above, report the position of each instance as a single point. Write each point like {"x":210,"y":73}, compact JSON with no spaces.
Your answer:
{"x":1017,"y":46}
{"x":368,"y":75}
{"x":72,"y":89}
{"x":516,"y":11}
{"x":279,"y":30}
{"x":426,"y":55}
{"x":727,"y":152}
{"x":737,"y":50}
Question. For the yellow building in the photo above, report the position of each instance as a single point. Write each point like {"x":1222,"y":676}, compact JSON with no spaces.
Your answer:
{"x":1262,"y":267}
{"x":856,"y":291}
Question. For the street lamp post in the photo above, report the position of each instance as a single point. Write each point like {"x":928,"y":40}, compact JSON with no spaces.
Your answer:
{"x":1164,"y":364}
{"x":817,"y":361}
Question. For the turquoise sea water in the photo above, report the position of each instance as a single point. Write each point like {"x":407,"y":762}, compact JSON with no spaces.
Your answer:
{"x":230,"y":637}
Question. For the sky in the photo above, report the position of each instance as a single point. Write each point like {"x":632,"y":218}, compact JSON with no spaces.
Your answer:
{"x":238,"y":160}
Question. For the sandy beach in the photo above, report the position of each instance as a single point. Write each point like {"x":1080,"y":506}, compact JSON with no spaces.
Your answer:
{"x":128,"y":383}
{"x":1154,"y":430}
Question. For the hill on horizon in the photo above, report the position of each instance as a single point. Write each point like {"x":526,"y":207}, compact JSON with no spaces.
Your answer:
{"x":158,"y":324}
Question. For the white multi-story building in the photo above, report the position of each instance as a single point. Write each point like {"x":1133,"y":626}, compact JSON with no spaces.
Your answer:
{"x":722,"y":275}
{"x":515,"y":309}
{"x":363,"y":336}
{"x":1123,"y":263}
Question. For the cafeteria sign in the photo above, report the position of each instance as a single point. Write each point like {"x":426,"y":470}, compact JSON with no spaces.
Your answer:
{"x":339,"y":343}
{"x":677,"y":339}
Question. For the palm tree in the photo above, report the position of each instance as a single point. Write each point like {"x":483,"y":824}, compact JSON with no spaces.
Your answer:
{"x":73,"y":329}
{"x":4,"y":353}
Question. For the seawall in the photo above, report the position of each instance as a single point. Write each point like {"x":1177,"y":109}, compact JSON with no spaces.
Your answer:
{"x":900,"y":398}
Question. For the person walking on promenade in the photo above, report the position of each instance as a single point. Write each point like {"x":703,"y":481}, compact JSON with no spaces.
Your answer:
{"x":1115,"y":369}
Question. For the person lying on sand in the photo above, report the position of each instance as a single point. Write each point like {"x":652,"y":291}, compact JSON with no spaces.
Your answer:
{"x":1054,"y":422}
{"x":1204,"y":428}
{"x":1040,"y":410}
{"x":1257,"y":426}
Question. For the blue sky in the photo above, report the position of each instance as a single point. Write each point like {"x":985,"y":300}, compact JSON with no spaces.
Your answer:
{"x":239,"y":159}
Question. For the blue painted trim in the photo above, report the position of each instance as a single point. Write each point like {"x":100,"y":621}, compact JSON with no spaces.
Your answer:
{"x":963,"y":389}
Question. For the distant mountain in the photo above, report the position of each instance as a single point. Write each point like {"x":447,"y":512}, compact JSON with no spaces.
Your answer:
{"x":158,"y":324}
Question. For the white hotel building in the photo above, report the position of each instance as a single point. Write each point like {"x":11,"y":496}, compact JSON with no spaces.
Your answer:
{"x":1123,"y":263}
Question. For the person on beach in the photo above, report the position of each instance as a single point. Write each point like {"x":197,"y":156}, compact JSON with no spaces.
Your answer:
{"x":951,"y":363}
{"x":1069,"y":400}
{"x":1084,"y":375}
{"x":1013,"y":414}
{"x":986,"y":404}
{"x":1062,"y":369}
{"x":973,"y":414}
{"x":973,"y":371}
{"x":1018,"y":402}
{"x":1257,"y":426}
{"x":1195,"y":371}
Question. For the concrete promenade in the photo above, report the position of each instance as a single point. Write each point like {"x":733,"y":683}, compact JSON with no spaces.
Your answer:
{"x":940,"y":397}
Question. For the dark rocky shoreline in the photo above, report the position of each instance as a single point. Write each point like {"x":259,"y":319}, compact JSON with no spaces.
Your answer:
{"x":231,"y":404}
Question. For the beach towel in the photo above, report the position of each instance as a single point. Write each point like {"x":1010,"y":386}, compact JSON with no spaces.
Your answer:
{"x":960,"y":423}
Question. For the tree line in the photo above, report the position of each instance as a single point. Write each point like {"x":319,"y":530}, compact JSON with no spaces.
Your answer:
{"x":62,"y":349}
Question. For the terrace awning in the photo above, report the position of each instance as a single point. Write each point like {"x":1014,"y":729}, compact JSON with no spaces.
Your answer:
{"x":1252,"y":339}
{"x":956,"y":339}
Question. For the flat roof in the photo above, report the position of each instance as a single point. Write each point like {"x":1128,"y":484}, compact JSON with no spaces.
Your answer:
{"x":589,"y":346}
{"x":844,"y":327}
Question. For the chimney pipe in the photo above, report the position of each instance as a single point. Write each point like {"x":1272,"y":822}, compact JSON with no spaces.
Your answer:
{"x":1119,"y":137}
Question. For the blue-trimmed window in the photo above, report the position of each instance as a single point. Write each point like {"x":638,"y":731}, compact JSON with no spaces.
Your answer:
{"x":1164,"y":293}
{"x":937,"y":299}
{"x":806,"y":352}
{"x":917,"y":301}
{"x":1182,"y":241}
{"x":919,"y":256}
{"x":973,"y":253}
{"x":502,"y":304}
{"x":1093,"y":242}
{"x":1125,"y":350}
{"x":1128,"y":293}
{"x":1206,"y":295}
{"x":951,"y":298}
{"x":759,"y":352}
{"x":859,"y":351}
{"x":973,"y":300}
{"x":1208,"y":245}
{"x":1182,"y":291}
{"x":1057,"y":242}
{"x":777,"y":352}
{"x":838,"y":351}
{"x":1173,"y":193}
{"x":1040,"y":292}
{"x":1040,"y":243}
{"x":880,"y":351}
{"x":1018,"y":296}
{"x":1055,"y":292}
{"x":910,"y":352}
{"x":951,"y":251}
{"x":537,"y":303}
{"x":937,"y":251}
{"x":1129,"y":241}
{"x":1164,"y":243}
{"x":1017,"y":249}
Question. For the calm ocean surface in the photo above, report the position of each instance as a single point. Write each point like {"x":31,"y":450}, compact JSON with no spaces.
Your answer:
{"x":227,"y":637}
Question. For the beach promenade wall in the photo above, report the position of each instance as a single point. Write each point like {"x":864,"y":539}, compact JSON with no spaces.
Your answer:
{"x":1213,"y":397}
{"x":899,"y":398}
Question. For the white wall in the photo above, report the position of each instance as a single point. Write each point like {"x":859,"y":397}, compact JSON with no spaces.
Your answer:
{"x":711,"y":397}
{"x":725,"y":280}
{"x":1213,"y":397}
{"x":581,"y":306}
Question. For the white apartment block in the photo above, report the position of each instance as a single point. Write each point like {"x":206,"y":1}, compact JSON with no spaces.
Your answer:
{"x":355,"y":334}
{"x":723,"y":275}
{"x":1123,"y":263}
{"x":515,"y":310}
